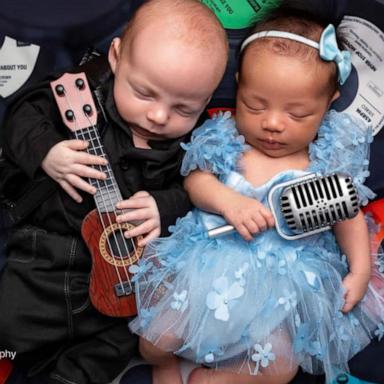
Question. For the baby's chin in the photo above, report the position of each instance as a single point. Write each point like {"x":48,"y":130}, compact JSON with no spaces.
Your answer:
{"x":145,"y":133}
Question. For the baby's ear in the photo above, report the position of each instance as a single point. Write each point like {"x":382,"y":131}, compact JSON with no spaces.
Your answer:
{"x":114,"y":53}
{"x":335,"y":96}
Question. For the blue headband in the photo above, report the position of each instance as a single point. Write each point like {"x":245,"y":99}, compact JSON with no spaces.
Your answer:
{"x":328,"y":49}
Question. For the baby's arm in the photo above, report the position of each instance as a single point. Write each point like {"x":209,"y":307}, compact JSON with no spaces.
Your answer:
{"x":154,"y":211}
{"x":67,"y":163}
{"x":34,"y":139}
{"x":353,"y":239}
{"x":246,"y":214}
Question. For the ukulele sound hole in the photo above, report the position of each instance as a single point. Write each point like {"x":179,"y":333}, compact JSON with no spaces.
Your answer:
{"x":120,"y":246}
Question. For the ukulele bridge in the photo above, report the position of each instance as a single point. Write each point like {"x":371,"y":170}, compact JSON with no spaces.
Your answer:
{"x":124,"y":289}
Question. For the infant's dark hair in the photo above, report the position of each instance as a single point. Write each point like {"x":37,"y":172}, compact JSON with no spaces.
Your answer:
{"x":297,"y":20}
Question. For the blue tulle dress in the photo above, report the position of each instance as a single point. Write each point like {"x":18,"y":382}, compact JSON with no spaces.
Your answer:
{"x":266,"y":305}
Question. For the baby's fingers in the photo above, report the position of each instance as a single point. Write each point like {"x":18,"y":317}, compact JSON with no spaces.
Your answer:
{"x":348,"y":305}
{"x":150,"y":236}
{"x":268,"y":217}
{"x":144,"y":228}
{"x":89,"y":172}
{"x":140,"y":194}
{"x":79,"y":183}
{"x":76,"y":145}
{"x":244,"y":232}
{"x":260,"y":223}
{"x":350,"y":301}
{"x":137,"y":201}
{"x":70,"y":191}
{"x":133,"y":215}
{"x":88,"y":159}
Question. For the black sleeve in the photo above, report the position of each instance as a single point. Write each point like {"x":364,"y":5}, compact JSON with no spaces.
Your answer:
{"x":31,"y":129}
{"x":172,"y":203}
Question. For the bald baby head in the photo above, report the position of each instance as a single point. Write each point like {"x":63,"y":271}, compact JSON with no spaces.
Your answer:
{"x":189,"y":21}
{"x":167,"y":64}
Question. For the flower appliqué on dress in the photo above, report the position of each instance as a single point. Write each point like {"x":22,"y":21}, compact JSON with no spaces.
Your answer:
{"x":288,"y":300}
{"x":212,"y":355}
{"x":180,"y":303}
{"x":262,"y":356}
{"x":219,"y":299}
{"x":146,"y":316}
{"x":306,"y":341}
{"x":240,"y":273}
{"x":139,"y":270}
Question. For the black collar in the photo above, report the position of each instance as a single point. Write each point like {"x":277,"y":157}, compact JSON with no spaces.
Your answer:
{"x":172,"y":145}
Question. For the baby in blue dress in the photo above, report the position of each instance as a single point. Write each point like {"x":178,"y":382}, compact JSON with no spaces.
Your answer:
{"x":251,"y":304}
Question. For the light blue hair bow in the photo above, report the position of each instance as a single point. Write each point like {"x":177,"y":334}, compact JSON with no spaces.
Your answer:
{"x":329,"y":51}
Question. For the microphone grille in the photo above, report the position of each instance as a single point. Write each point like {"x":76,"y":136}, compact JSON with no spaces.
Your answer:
{"x":319,"y":202}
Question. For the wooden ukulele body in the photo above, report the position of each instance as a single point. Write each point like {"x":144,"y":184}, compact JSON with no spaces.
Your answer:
{"x":110,"y":290}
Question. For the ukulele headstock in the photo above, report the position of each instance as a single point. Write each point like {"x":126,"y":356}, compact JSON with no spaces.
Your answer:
{"x":74,"y":100}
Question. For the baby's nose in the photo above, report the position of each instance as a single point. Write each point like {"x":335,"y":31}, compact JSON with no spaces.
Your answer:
{"x":273,"y":122}
{"x":158,"y":114}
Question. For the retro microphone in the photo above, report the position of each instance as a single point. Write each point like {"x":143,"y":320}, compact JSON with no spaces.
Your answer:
{"x":308,"y":205}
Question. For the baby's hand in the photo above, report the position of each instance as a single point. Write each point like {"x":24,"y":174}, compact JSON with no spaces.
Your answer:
{"x":355,"y":285}
{"x":248,"y":216}
{"x":67,"y":163}
{"x":143,"y":209}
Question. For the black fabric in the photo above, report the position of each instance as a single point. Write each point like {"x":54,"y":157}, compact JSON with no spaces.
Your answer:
{"x":138,"y":374}
{"x":33,"y":126}
{"x":63,"y":31}
{"x":47,"y":317}
{"x":330,"y":10}
{"x":14,"y":211}
{"x":75,"y":23}
{"x":367,"y":364}
{"x":50,"y":321}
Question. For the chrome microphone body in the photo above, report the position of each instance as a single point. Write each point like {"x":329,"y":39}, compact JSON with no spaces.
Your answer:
{"x":309,"y":205}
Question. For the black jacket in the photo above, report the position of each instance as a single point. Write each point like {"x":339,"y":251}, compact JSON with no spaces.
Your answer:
{"x":34,"y":125}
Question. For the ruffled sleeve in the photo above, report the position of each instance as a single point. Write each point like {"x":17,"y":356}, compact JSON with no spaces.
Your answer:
{"x":215,"y":147}
{"x":342,"y":146}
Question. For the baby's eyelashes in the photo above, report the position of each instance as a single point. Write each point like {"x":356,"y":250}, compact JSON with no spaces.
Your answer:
{"x":299,"y":115}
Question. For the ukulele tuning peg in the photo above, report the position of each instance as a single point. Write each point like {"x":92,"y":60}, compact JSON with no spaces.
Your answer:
{"x":60,"y":90}
{"x":87,"y":109}
{"x":69,"y":115}
{"x":80,"y":83}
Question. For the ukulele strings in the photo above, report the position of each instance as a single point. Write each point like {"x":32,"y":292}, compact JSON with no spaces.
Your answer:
{"x":105,"y":205}
{"x":110,"y":176}
{"x":106,"y":213}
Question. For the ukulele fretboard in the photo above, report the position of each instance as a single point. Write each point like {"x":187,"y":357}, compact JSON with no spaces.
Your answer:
{"x":108,"y":193}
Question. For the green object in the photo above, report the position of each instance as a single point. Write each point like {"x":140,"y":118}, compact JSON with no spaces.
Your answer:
{"x":237,"y":14}
{"x":342,"y":379}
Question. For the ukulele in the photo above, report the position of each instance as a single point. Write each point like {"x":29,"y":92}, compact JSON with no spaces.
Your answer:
{"x":111,"y":290}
